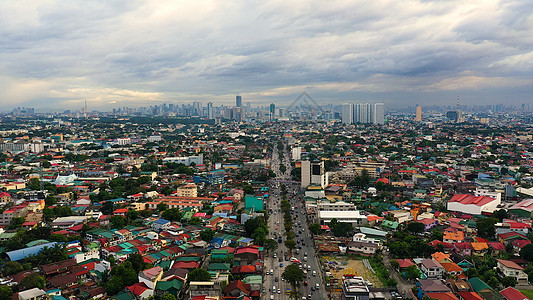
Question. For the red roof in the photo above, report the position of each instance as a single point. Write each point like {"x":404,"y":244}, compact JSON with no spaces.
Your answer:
{"x":442,"y":296}
{"x":467,"y":199}
{"x":513,"y":294}
{"x":404,"y":263}
{"x":521,"y":243}
{"x":470,"y":295}
{"x":497,"y":245}
{"x":509,"y":264}
{"x":138,"y":288}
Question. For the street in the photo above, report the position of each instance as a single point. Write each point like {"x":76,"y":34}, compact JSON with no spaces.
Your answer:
{"x":304,"y":241}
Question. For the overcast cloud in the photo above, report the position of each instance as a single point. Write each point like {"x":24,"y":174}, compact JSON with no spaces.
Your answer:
{"x":139,"y":53}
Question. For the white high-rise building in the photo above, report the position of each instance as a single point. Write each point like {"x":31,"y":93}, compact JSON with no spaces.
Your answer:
{"x":296,"y":153}
{"x":369,"y":113}
{"x":313,"y":173}
{"x":347,"y":113}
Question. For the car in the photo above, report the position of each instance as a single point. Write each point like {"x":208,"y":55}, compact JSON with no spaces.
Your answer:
{"x":275,"y":255}
{"x":306,"y":283}
{"x":308,"y":268}
{"x":276,"y":279}
{"x":317,"y":286}
{"x":299,"y":246}
{"x":280,"y":259}
{"x":313,"y":288}
{"x":268,"y":272}
{"x":281,"y":265}
{"x":263,"y":290}
{"x":314,"y":273}
{"x":309,"y":297}
{"x":279,"y":291}
{"x":271,"y":272}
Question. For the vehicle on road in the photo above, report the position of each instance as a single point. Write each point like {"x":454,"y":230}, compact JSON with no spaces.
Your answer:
{"x":281,"y":265}
{"x":276,"y":279}
{"x":306,"y":283}
{"x":314,"y":273}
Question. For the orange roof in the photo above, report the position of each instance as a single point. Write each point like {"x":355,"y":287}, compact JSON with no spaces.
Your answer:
{"x":480,"y":246}
{"x":451,"y":267}
{"x":374,"y":218}
{"x":456,"y":236}
{"x":439,"y":256}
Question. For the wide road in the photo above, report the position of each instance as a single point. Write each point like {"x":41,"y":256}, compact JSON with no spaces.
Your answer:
{"x":276,"y":229}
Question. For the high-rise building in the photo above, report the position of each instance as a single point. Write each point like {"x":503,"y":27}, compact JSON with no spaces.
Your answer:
{"x":272,"y":111}
{"x":347,"y":113}
{"x":418,"y":113}
{"x":370,"y":113}
{"x":238,"y":101}
{"x":313,"y":173}
{"x":210,"y":111}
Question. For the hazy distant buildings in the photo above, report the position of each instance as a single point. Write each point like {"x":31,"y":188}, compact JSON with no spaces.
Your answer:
{"x":367,"y":113}
{"x":418,"y":117}
{"x":272,"y":111}
{"x":210,"y":111}
{"x":238,"y":101}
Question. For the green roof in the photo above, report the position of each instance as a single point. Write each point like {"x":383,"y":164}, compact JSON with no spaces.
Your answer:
{"x":167,"y":286}
{"x":219,"y":266}
{"x":253,"y":279}
{"x":390,"y":224}
{"x":36,"y":242}
{"x":478,"y":284}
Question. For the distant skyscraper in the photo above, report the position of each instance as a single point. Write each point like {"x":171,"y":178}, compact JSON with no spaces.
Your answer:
{"x":238,"y":101}
{"x":210,"y":111}
{"x":347,"y":113}
{"x":369,"y":113}
{"x":272,"y":111}
{"x":418,"y":113}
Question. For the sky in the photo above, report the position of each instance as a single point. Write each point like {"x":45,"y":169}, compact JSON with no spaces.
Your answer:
{"x":57,"y":54}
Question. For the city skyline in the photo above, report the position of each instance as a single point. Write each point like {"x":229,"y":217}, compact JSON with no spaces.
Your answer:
{"x":143,"y":53}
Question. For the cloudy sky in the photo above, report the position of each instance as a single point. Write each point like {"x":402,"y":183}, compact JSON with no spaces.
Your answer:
{"x":57,"y":54}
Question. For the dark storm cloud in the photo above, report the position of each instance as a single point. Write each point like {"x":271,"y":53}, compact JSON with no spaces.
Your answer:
{"x":135,"y":52}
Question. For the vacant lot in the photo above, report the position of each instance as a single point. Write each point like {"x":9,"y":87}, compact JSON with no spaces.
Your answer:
{"x":359,"y":269}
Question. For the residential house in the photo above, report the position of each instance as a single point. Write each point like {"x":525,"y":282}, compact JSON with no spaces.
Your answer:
{"x":509,"y":268}
{"x":454,"y":237}
{"x":151,"y":276}
{"x":32,"y":294}
{"x":431,"y":268}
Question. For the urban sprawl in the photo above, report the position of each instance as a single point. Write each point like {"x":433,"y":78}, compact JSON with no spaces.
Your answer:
{"x":353,"y":201}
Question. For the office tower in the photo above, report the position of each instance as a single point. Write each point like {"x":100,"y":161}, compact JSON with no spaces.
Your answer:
{"x":452,"y":115}
{"x":210,"y":111}
{"x":196,"y":108}
{"x":313,"y":173}
{"x":418,"y":113}
{"x":272,"y":111}
{"x":238,"y":101}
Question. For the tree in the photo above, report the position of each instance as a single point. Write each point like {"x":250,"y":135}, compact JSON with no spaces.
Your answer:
{"x":412,"y":272}
{"x":395,"y":264}
{"x":172,"y":214}
{"x":500,"y":214}
{"x":12,"y":267}
{"x":248,"y":190}
{"x":114,"y":285}
{"x":527,"y":252}
{"x":415,"y":227}
{"x":117,"y":222}
{"x":342,"y":229}
{"x":195,"y":221}
{"x":315,"y":228}
{"x":32,"y":281}
{"x":168,"y":297}
{"x":485,"y":227}
{"x":198,"y":275}
{"x":207,"y":235}
{"x":162,"y":207}
{"x":5,"y":292}
{"x":291,"y":244}
{"x":270,"y":245}
{"x":293,"y":274}
{"x":137,"y":262}
{"x":132,"y":214}
{"x":508,"y":281}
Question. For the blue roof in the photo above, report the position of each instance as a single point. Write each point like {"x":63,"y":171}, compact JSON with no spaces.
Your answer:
{"x":161,"y":221}
{"x":16,"y":255}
